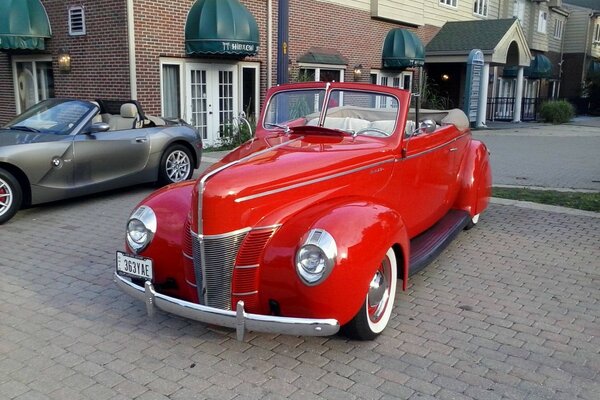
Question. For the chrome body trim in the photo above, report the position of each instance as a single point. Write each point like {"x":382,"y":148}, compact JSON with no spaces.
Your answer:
{"x":238,"y":319}
{"x":246,"y":266}
{"x":435,"y":148}
{"x":313,"y":181}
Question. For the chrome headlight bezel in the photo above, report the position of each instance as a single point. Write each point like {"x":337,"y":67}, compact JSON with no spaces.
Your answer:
{"x":138,"y":240}
{"x":319,"y":243}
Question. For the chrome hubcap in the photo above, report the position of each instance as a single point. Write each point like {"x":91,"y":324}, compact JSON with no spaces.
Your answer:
{"x":6,"y":197}
{"x":379,"y":291}
{"x":178,"y":166}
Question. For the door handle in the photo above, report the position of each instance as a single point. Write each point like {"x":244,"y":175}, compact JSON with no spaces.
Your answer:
{"x":141,"y":139}
{"x":453,"y":149}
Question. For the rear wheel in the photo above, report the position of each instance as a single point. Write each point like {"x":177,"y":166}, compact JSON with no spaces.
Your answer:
{"x":175,"y":165}
{"x":472,"y":222}
{"x":11,"y":196}
{"x":375,"y":313}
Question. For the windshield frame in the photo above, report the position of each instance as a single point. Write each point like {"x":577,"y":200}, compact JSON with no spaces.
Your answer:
{"x":391,"y":115}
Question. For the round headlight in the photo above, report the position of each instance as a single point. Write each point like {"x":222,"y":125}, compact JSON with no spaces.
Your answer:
{"x":141,"y":228}
{"x":316,"y":257}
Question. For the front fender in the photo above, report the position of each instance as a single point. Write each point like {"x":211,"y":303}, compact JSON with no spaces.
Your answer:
{"x":363,"y":232}
{"x":171,"y":205}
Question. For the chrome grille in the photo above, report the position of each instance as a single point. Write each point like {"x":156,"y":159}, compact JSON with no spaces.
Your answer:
{"x":214,"y":258}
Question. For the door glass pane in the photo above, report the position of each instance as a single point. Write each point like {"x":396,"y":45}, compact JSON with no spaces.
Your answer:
{"x":199,"y":111}
{"x":249,"y":91}
{"x":330,"y":75}
{"x":26,"y":85}
{"x":45,"y":80}
{"x":171,"y":91}
{"x":225,"y":100}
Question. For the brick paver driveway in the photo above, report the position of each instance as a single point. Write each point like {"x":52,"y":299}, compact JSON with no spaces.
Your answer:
{"x":510,"y":310}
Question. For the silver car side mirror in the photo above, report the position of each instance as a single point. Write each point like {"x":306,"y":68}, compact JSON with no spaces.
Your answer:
{"x":427,"y":126}
{"x":99,"y":127}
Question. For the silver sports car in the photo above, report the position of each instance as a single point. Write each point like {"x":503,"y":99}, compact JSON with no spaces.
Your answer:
{"x":64,"y":148}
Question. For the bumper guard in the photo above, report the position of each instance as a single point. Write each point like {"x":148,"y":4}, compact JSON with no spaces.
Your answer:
{"x":238,"y":319}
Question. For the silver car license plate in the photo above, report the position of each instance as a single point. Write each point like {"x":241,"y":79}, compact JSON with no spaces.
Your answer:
{"x":134,"y":266}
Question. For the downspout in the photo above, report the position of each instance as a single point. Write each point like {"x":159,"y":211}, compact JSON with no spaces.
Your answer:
{"x":585,"y":50}
{"x":269,"y":44}
{"x":131,"y":44}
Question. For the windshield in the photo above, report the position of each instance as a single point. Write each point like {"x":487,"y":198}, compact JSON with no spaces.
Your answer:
{"x":53,"y":116}
{"x":354,"y":112}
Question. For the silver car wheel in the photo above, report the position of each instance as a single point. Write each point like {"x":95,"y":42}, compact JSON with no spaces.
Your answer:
{"x":178,"y":166}
{"x":6,"y":197}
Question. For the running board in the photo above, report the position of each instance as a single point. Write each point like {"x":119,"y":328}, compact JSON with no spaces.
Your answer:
{"x":428,"y":245}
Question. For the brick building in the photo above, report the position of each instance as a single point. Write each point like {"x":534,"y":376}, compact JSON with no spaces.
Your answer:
{"x":149,"y":50}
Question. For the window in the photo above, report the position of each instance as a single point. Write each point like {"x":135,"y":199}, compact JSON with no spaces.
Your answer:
{"x":249,"y":73}
{"x":402,"y":80}
{"x":480,"y":7}
{"x":542,"y":21}
{"x":519,"y":10}
{"x":76,"y":21}
{"x":321,"y":73}
{"x":558,"y":28}
{"x":451,"y":3}
{"x":597,"y":34}
{"x":33,"y":81}
{"x":171,"y":90}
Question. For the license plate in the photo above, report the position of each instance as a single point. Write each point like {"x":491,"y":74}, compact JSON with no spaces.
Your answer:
{"x":134,"y":266}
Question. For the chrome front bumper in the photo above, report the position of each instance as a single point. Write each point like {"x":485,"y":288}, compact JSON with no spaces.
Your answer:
{"x":238,"y":319}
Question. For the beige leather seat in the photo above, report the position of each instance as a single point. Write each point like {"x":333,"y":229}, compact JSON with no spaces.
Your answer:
{"x":97,"y":117}
{"x":126,"y":120}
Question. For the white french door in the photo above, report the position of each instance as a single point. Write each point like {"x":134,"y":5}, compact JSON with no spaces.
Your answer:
{"x":212,"y":105}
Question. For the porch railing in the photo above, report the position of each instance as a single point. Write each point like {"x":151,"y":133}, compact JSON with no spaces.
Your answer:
{"x":503,"y":108}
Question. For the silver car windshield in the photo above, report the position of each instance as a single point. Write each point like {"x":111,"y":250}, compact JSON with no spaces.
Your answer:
{"x":53,"y":116}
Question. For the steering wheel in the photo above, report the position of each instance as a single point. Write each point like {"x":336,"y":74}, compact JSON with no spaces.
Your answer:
{"x":377,"y":131}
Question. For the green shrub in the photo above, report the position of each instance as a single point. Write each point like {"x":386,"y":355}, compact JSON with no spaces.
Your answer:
{"x":557,"y":111}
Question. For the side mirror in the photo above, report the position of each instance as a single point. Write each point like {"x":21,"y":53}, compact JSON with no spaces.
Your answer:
{"x":427,"y":126}
{"x":98,"y":127}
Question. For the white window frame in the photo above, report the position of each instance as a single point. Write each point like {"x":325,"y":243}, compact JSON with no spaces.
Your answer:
{"x":597,"y":34}
{"x":542,"y":26}
{"x":181,"y":64}
{"x":83,"y":28}
{"x":480,"y":8}
{"x":256,"y":67}
{"x":449,"y":3}
{"x":32,"y":59}
{"x":558,"y":28}
{"x":391,"y":75}
{"x":519,"y":10}
{"x":319,"y":67}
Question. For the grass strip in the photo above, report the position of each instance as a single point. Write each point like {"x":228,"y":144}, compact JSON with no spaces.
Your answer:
{"x":578,"y":200}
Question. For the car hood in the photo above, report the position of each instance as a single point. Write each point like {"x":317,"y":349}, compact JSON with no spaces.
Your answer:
{"x":267,"y":173}
{"x":10,"y":137}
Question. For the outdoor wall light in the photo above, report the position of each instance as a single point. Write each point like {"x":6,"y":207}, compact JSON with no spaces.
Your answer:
{"x":64,"y":62}
{"x":357,"y":72}
{"x":445,"y":77}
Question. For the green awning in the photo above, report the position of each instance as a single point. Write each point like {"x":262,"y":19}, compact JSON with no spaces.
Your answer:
{"x":402,"y":49}
{"x":223,"y":27}
{"x":540,"y":67}
{"x":594,"y":68}
{"x":318,"y":55}
{"x":24,"y":24}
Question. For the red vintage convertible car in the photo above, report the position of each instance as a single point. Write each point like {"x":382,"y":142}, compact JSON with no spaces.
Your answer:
{"x":306,"y":228}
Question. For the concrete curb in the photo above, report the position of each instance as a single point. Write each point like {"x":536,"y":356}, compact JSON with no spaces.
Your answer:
{"x":544,"y":207}
{"x":564,"y":190}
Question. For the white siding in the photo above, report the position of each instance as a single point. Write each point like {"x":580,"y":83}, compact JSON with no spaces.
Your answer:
{"x":407,"y":11}
{"x":576,"y":31}
{"x":594,"y":47}
{"x":421,"y":12}
{"x":554,"y":44}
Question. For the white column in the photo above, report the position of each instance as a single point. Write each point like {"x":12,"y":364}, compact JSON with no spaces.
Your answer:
{"x":483,"y":94}
{"x":518,"y":95}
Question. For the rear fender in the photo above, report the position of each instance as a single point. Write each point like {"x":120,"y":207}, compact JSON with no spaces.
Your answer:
{"x":363,"y":232}
{"x":475,"y":180}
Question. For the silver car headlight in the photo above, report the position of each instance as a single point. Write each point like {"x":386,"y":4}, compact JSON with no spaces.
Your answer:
{"x":316,"y":257}
{"x":141,"y":228}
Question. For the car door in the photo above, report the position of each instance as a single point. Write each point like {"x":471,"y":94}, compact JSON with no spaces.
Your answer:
{"x":426,"y":175}
{"x":111,"y":158}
